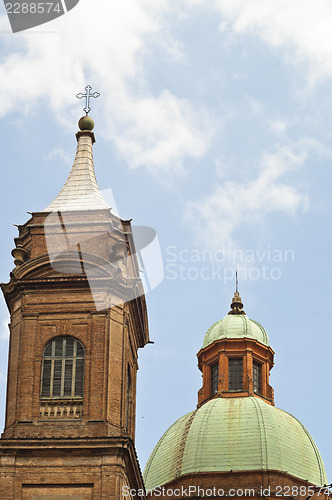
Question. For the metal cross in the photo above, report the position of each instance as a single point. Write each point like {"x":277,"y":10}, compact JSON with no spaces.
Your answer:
{"x":237,"y":282}
{"x":87,"y":96}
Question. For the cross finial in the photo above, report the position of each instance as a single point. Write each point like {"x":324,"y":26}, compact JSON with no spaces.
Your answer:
{"x":87,"y":96}
{"x":236,"y":283}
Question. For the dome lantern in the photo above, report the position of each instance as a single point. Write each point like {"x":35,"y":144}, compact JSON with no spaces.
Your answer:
{"x":236,"y":358}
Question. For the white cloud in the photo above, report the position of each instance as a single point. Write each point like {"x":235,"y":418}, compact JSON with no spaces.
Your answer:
{"x":238,"y":205}
{"x":106,"y":46}
{"x":161,"y":131}
{"x":59,"y":153}
{"x":302,"y":27}
{"x":279,"y":127}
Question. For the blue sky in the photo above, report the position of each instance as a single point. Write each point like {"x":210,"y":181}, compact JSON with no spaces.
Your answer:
{"x":214,"y":128}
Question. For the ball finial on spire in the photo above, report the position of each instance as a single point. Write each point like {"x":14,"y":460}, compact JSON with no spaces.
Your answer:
{"x":86,"y":123}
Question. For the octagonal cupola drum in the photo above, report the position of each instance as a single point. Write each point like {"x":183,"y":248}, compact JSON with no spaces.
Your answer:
{"x":236,"y":357}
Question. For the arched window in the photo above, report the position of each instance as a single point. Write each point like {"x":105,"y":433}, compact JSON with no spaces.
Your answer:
{"x":63,"y":369}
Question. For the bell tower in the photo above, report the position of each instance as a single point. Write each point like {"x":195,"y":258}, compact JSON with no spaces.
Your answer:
{"x":77,"y":318}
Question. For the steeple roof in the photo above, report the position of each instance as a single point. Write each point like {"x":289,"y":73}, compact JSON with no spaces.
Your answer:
{"x":81,"y":191}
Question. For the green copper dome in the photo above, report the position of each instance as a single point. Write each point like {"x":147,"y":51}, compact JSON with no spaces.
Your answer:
{"x":235,"y":434}
{"x":236,"y":327}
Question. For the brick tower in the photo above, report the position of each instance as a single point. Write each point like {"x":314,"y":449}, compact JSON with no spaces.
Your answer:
{"x":77,"y":318}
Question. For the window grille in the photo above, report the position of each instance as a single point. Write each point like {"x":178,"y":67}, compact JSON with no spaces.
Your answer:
{"x":235,"y":374}
{"x":63,"y":369}
{"x":214,"y":378}
{"x":257,"y":373}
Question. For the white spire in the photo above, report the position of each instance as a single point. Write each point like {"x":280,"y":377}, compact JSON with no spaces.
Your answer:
{"x":80,"y":191}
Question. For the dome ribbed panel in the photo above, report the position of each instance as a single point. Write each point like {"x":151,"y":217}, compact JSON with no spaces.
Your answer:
{"x":297,"y":449}
{"x":218,"y":439}
{"x":166,"y":459}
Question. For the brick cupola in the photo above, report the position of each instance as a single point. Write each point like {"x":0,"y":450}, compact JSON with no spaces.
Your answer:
{"x":236,"y":440}
{"x":236,"y":358}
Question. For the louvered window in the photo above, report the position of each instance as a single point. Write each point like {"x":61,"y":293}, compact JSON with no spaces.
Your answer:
{"x":63,"y":369}
{"x":235,"y":374}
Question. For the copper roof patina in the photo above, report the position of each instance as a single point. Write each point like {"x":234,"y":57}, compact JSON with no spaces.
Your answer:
{"x":235,"y":434}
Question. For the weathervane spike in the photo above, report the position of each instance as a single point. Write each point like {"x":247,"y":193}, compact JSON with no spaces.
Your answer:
{"x":87,"y":96}
{"x":236,"y":282}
